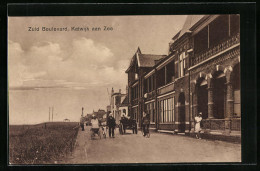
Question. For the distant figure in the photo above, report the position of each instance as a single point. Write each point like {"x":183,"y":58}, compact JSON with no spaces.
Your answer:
{"x":111,"y":122}
{"x":198,"y":120}
{"x":146,"y":123}
{"x":82,"y":122}
{"x":124,"y":121}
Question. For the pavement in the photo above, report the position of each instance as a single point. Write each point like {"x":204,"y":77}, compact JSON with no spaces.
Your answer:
{"x":159,"y":148}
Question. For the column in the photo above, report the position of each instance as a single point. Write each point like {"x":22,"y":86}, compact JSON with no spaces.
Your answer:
{"x":230,"y":103}
{"x":195,"y":104}
{"x":230,"y":100}
{"x":210,"y":99}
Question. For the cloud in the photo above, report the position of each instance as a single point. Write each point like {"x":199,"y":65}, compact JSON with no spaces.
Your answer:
{"x":85,"y":64}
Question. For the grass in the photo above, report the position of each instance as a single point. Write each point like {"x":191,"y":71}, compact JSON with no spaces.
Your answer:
{"x":44,"y":143}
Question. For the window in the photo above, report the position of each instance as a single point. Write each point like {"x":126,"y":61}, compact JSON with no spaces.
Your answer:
{"x":181,"y":64}
{"x":170,"y":72}
{"x":161,"y":77}
{"x":166,"y":110}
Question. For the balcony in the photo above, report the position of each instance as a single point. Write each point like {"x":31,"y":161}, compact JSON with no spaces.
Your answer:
{"x":200,"y":57}
{"x":165,"y":89}
{"x":150,"y":95}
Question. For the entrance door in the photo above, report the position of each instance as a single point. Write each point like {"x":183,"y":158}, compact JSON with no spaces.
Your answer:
{"x":182,"y":112}
{"x":203,"y":101}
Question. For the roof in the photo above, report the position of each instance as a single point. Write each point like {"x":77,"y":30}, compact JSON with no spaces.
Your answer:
{"x":147,"y":60}
{"x":125,"y":101}
{"x":189,"y":22}
{"x":144,"y":60}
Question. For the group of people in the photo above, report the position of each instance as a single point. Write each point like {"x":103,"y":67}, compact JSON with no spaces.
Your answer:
{"x":111,"y":123}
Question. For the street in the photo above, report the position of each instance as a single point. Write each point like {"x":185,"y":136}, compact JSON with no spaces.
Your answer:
{"x":159,"y":148}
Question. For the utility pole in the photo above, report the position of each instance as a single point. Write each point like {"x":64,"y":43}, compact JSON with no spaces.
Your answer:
{"x":52,"y":113}
{"x":49,"y":114}
{"x":82,"y":111}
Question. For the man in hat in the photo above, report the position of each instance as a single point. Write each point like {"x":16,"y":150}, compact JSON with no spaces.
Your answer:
{"x":111,"y":122}
{"x":198,"y":120}
{"x":146,"y":123}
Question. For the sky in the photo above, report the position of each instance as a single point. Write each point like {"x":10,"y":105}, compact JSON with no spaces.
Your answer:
{"x":68,"y":70}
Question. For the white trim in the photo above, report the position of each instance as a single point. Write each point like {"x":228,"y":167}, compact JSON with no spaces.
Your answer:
{"x":134,"y":84}
{"x":166,"y":85}
{"x":165,"y":94}
{"x":190,"y":50}
{"x":135,"y":106}
{"x":180,"y":78}
{"x":149,"y":74}
{"x":149,"y":101}
{"x":165,"y":62}
{"x":166,"y":131}
{"x":214,"y":56}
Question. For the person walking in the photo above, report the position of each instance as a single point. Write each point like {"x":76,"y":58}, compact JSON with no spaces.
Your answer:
{"x":146,"y":123}
{"x":111,"y":122}
{"x":198,"y":120}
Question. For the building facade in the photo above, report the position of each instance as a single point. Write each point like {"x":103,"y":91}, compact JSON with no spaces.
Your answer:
{"x":201,"y":73}
{"x":116,"y":105}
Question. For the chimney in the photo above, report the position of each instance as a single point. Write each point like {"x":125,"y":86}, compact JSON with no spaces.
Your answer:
{"x":112,"y":91}
{"x":119,"y":91}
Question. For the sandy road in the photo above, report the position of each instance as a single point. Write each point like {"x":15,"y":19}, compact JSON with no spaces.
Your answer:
{"x":159,"y":148}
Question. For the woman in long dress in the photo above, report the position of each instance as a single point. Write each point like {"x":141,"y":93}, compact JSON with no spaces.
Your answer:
{"x":198,"y":119}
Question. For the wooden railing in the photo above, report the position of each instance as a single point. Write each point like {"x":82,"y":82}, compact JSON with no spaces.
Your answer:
{"x":165,"y":89}
{"x":216,"y":49}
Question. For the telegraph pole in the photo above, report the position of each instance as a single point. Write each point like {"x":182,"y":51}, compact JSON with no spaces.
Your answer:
{"x":52,"y":112}
{"x":49,"y":114}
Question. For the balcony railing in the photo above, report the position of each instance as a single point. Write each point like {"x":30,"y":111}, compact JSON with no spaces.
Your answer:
{"x":216,"y":49}
{"x":165,"y":89}
{"x":219,"y":124}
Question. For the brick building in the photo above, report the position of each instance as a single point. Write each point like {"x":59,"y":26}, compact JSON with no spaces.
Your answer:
{"x":201,"y":73}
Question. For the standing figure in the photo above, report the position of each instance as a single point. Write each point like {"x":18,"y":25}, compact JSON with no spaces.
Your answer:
{"x":146,"y":123}
{"x":198,"y":119}
{"x":111,"y":122}
{"x":82,"y":122}
{"x":123,"y":121}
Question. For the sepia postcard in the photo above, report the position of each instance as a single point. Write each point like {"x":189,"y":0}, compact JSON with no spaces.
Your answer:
{"x":124,"y":89}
